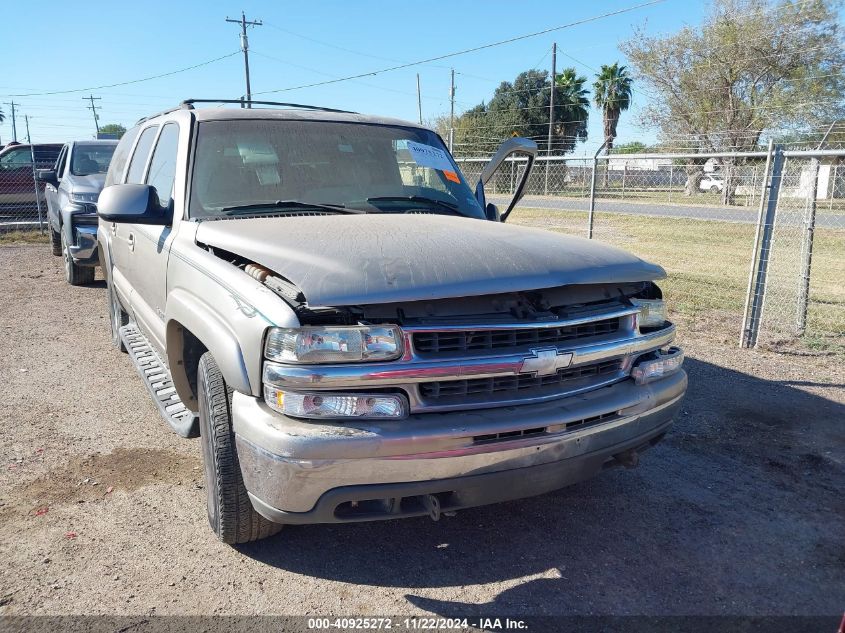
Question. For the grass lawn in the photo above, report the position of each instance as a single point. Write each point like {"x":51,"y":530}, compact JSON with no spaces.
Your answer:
{"x":23,"y":237}
{"x":708,"y":266}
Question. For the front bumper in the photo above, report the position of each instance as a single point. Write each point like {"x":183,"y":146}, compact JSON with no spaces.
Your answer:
{"x":316,"y":472}
{"x":83,"y":247}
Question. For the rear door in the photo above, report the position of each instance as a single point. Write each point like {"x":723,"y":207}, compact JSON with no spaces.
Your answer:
{"x":17,"y":186}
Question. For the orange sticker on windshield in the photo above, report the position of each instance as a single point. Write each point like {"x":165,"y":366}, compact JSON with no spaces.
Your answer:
{"x":450,"y":175}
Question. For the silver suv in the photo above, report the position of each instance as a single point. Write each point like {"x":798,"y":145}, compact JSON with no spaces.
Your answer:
{"x":355,"y":334}
{"x":71,"y":189}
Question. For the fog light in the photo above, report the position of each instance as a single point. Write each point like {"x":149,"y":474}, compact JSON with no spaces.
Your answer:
{"x":335,"y":405}
{"x":657,"y":365}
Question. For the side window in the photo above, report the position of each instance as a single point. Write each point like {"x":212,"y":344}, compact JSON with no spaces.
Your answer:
{"x":17,"y":158}
{"x":60,"y":162}
{"x":121,"y":156}
{"x":163,"y":164}
{"x":139,"y":158}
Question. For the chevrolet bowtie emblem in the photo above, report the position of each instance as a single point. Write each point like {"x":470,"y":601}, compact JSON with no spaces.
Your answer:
{"x":545,"y":362}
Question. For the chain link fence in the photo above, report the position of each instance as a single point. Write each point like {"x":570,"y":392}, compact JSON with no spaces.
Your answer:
{"x":753,"y":244}
{"x":23,"y":204}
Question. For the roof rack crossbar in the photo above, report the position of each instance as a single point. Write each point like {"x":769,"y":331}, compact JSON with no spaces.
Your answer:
{"x":189,"y":103}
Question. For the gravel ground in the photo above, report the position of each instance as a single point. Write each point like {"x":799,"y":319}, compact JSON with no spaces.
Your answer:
{"x":739,"y":511}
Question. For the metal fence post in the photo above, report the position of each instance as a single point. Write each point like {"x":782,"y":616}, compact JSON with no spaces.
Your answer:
{"x":763,"y":240}
{"x":593,"y":190}
{"x":807,"y":248}
{"x":35,"y":183}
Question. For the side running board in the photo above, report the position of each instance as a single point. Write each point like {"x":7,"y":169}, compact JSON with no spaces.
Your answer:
{"x":156,"y":377}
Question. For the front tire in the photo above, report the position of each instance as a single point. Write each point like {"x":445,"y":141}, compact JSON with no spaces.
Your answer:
{"x":714,"y":189}
{"x":55,"y":243}
{"x":230,"y":512}
{"x":74,"y":274}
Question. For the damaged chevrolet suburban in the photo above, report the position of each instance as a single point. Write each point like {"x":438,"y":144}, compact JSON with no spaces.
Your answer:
{"x":355,"y":334}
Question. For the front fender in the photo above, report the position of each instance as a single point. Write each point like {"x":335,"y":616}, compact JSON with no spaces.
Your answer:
{"x":187,"y":311}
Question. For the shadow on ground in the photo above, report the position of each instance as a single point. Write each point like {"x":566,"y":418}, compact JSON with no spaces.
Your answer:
{"x":739,"y":510}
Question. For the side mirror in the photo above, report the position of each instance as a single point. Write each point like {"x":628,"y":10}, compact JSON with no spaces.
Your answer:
{"x":508,"y":148}
{"x":133,"y":204}
{"x":48,"y":176}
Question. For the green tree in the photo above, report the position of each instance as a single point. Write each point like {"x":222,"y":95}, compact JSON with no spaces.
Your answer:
{"x":612,"y":95}
{"x":522,"y":108}
{"x":113,"y":128}
{"x":634,"y":147}
{"x":752,"y":68}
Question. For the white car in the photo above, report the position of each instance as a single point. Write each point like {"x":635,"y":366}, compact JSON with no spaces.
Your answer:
{"x":712,"y":183}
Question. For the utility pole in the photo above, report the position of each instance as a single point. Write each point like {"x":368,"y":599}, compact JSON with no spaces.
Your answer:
{"x":245,"y":48}
{"x":551,"y":118}
{"x":14,"y":127}
{"x":94,"y":109}
{"x":452,"y":114}
{"x":419,"y":97}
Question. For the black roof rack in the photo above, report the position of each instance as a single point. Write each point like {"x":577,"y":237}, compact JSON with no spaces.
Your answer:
{"x":185,"y":105}
{"x":189,"y":103}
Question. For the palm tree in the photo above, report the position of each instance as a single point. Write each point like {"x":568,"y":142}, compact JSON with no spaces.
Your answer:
{"x":572,"y":108}
{"x":612,"y":95}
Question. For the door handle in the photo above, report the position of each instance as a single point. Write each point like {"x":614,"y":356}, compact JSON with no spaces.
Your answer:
{"x":114,"y":228}
{"x":131,"y":241}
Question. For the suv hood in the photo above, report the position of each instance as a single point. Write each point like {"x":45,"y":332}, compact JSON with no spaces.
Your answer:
{"x":363,"y":259}
{"x":92,"y":183}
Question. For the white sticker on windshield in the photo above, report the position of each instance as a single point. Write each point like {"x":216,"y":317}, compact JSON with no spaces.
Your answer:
{"x":429,"y":156}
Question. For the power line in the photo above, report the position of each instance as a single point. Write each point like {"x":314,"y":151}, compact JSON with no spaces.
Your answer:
{"x":126,"y":83}
{"x":469,"y":50}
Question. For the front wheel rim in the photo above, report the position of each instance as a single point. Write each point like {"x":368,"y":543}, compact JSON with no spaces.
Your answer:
{"x":66,"y":257}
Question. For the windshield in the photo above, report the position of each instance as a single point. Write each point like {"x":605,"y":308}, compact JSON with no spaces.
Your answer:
{"x":374,"y":168}
{"x":90,"y":159}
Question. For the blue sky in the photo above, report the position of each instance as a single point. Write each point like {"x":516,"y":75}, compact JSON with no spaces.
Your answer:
{"x":60,"y":45}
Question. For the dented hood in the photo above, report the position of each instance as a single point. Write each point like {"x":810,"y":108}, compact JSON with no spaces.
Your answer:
{"x":359,"y":259}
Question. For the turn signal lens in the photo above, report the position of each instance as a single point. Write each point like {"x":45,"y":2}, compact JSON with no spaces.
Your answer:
{"x":335,"y":405}
{"x":657,"y":365}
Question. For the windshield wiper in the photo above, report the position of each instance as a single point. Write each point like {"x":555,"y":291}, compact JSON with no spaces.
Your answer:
{"x":416,"y":199}
{"x":287,"y":205}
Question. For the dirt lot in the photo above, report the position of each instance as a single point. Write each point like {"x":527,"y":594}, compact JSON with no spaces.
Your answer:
{"x":739,"y":511}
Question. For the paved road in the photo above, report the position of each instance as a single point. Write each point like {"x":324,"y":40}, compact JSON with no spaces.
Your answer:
{"x":748,"y":215}
{"x":102,"y":507}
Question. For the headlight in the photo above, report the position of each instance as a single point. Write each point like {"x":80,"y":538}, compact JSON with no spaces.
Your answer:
{"x":84,"y":197}
{"x":652,"y":312}
{"x":335,"y":405}
{"x":657,"y":365}
{"x":334,"y":344}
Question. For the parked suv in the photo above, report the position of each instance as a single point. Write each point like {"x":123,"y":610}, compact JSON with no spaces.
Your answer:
{"x":18,"y":191}
{"x":72,"y":188}
{"x":355,"y":334}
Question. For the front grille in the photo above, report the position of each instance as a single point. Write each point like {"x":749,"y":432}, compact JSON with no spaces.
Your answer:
{"x":447,"y":342}
{"x":500,"y":387}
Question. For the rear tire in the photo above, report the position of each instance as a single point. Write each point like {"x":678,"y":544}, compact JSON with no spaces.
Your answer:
{"x":55,"y":243}
{"x":230,"y":512}
{"x":74,"y":274}
{"x":117,"y":317}
{"x":714,"y":189}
